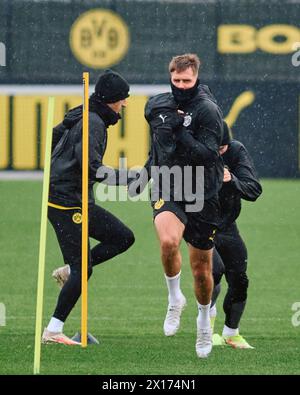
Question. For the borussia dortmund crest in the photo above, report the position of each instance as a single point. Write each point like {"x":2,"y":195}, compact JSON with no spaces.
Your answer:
{"x":212,"y":237}
{"x":77,"y":218}
{"x":159,"y":204}
{"x":187,"y":120}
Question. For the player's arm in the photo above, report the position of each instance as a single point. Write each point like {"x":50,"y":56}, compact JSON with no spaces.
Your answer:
{"x":97,"y":145}
{"x":162,"y":126}
{"x":99,"y":171}
{"x":243,"y":176}
{"x":203,"y":144}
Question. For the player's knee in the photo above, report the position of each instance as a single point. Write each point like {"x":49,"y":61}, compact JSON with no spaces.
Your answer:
{"x":169,"y":245}
{"x":126,"y":240}
{"x":239,"y":286}
{"x":129,"y":239}
{"x":201,"y":273}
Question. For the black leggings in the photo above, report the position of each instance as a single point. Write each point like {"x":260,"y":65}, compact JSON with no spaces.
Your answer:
{"x":114,"y":238}
{"x":230,"y":258}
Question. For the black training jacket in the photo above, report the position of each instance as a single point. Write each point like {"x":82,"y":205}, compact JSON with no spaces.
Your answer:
{"x":244,"y":183}
{"x":195,"y":144}
{"x":66,"y":159}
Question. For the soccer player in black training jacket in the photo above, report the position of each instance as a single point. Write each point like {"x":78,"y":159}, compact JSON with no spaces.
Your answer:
{"x":230,"y":253}
{"x":186,"y":132}
{"x":64,"y":211}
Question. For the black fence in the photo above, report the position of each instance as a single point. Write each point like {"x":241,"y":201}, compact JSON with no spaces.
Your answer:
{"x":54,"y":41}
{"x":250,"y":52}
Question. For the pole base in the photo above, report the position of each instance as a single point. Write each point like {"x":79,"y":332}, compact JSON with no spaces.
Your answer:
{"x":90,"y":338}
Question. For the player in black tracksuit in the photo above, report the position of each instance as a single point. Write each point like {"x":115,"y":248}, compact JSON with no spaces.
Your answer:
{"x":186,"y":131}
{"x":64,"y":211}
{"x":230,"y":252}
{"x":193,"y":145}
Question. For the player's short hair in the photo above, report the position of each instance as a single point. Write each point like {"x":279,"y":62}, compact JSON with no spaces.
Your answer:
{"x":182,"y":62}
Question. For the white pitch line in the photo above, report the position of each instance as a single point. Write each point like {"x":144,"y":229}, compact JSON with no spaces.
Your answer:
{"x":14,"y":175}
{"x":144,"y":90}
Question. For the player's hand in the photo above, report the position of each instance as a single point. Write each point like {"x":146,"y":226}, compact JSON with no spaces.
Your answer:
{"x":227,"y":175}
{"x":177,"y":119}
{"x":168,"y":118}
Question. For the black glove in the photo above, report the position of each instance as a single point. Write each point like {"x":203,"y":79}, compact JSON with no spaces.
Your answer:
{"x":181,"y":132}
{"x":166,"y":119}
{"x":164,"y":124}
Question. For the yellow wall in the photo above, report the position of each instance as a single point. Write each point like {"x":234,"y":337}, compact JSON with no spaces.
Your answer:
{"x":4,"y":131}
{"x":132,"y":143}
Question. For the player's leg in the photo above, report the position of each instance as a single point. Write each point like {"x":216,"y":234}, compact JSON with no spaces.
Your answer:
{"x":201,"y":265}
{"x":218,"y":271}
{"x":67,"y":227}
{"x":169,"y":230}
{"x":234,"y":255}
{"x":115,"y":237}
{"x":200,"y":238}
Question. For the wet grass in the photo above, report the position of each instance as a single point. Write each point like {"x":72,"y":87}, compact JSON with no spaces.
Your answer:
{"x":127,"y":296}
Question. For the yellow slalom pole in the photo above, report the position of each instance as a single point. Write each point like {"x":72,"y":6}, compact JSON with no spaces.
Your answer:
{"x":43,"y":236}
{"x":84,"y":241}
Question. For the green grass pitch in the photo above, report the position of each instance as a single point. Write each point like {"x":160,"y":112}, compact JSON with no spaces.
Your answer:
{"x":128,"y":297}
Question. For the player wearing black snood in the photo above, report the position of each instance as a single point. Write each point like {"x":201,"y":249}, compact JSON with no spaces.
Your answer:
{"x":186,"y":131}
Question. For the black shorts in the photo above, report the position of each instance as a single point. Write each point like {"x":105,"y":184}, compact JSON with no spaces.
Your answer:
{"x":200,"y":227}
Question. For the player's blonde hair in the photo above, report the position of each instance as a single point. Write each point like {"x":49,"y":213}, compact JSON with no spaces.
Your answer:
{"x":182,"y":62}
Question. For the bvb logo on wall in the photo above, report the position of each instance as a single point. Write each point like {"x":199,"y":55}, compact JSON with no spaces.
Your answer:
{"x":99,"y":38}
